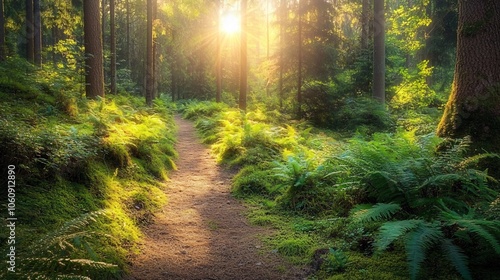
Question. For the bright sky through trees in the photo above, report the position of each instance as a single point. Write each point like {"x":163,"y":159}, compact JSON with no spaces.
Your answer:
{"x":230,"y":22}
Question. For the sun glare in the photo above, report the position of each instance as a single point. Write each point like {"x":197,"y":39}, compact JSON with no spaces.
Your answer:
{"x":230,"y":23}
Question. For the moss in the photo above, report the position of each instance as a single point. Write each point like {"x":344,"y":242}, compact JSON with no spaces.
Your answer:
{"x":294,"y":246}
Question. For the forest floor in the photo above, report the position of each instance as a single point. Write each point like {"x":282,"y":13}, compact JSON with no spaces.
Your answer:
{"x":202,"y":232}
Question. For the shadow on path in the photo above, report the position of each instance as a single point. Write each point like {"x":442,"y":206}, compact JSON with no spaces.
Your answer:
{"x":202,"y":232}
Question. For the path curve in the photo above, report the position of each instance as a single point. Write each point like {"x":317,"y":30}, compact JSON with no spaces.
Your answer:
{"x":202,"y":232}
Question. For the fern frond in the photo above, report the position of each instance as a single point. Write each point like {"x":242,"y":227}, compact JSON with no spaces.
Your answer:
{"x":456,"y":257}
{"x":381,"y":186}
{"x":390,"y":231}
{"x":480,"y":227}
{"x":468,"y":222}
{"x":418,"y":242}
{"x":377,"y":212}
{"x":476,"y":158}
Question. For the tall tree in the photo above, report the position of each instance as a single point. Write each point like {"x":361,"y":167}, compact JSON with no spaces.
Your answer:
{"x":365,"y":24}
{"x":282,"y":15}
{"x":244,"y":58}
{"x":299,"y":74}
{"x":37,"y":33}
{"x":3,"y":49}
{"x":268,"y":12}
{"x":149,"y":55}
{"x":379,"y":51}
{"x":128,"y":56}
{"x":112,"y":44}
{"x":103,"y":21}
{"x":473,"y":107}
{"x":30,"y":31}
{"x":94,"y":77}
{"x":218,"y":74}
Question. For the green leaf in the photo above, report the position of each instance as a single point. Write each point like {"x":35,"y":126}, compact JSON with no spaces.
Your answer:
{"x":418,"y":242}
{"x":390,"y":231}
{"x":457,"y":258}
{"x":379,"y":211}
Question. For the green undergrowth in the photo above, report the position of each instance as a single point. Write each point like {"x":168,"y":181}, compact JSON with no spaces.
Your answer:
{"x":74,"y":156}
{"x":395,"y":205}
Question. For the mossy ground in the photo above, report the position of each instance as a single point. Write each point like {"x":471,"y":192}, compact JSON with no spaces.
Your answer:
{"x":294,"y":181}
{"x":75,"y":156}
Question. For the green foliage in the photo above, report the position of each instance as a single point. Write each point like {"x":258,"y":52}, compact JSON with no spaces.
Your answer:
{"x":414,"y":91}
{"x":336,"y":261}
{"x":328,"y":106}
{"x":58,"y":254}
{"x":203,"y":109}
{"x":405,"y":181}
{"x":302,"y":182}
{"x":254,"y":180}
{"x":73,"y":156}
{"x":377,"y":212}
{"x":294,"y":247}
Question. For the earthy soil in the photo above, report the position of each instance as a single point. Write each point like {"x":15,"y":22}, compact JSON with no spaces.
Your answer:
{"x":202,"y":232}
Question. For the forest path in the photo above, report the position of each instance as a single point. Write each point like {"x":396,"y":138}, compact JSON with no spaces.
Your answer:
{"x":202,"y":233}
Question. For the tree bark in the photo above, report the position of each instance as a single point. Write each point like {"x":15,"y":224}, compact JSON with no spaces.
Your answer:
{"x":94,"y":78}
{"x":3,"y":49}
{"x":149,"y":55}
{"x":218,"y":66}
{"x":299,"y":74}
{"x":473,"y":107}
{"x":112,"y":44}
{"x":379,"y":51}
{"x":268,"y":94}
{"x":103,"y":21}
{"x":365,"y":24}
{"x":282,"y":49}
{"x":244,"y":59}
{"x":37,"y":33}
{"x":30,"y":32}
{"x":155,"y":47}
{"x":127,"y":4}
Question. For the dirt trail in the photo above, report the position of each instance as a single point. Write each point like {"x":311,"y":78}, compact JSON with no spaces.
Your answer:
{"x":202,"y":232}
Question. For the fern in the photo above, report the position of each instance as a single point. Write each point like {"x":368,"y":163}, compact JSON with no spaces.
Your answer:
{"x":377,"y":212}
{"x":457,"y":257}
{"x":469,"y":223}
{"x":418,"y":242}
{"x":52,"y":256}
{"x":391,"y":231}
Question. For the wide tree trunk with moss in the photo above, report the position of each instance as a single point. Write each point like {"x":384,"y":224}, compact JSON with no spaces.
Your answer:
{"x":94,"y":77}
{"x":473,"y":107}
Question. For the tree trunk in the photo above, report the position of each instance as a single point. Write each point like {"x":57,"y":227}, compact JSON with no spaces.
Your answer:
{"x":268,"y":94}
{"x":174,"y":67}
{"x":30,"y":32}
{"x":3,"y":49}
{"x":379,"y":51}
{"x":365,"y":24}
{"x":127,"y":4}
{"x":94,"y":78}
{"x":299,"y":75}
{"x":243,"y":63}
{"x":149,"y":55}
{"x":473,"y":107}
{"x":282,"y":49}
{"x":155,"y":46}
{"x":37,"y":33}
{"x":218,"y":65}
{"x":103,"y":15}
{"x":112,"y":44}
